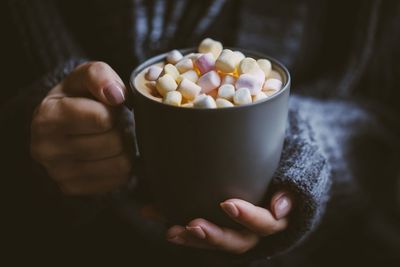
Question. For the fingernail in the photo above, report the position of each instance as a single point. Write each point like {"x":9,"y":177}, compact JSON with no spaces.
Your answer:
{"x":230,"y":209}
{"x":282,"y":207}
{"x":114,"y":94}
{"x":196,"y":231}
{"x":177,"y":240}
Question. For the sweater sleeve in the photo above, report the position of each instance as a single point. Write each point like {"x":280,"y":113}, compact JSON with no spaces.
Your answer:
{"x":331,"y":150}
{"x":40,"y":53}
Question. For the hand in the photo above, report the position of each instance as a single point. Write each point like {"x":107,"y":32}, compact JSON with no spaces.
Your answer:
{"x":73,"y":133}
{"x":258,"y":222}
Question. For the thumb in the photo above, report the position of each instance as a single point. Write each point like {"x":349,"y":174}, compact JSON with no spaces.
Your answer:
{"x":97,"y":79}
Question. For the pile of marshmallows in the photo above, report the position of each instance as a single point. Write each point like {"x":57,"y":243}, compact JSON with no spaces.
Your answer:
{"x":214,"y":77}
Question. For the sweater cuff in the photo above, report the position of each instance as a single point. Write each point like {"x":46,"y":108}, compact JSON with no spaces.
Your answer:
{"x":303,"y":172}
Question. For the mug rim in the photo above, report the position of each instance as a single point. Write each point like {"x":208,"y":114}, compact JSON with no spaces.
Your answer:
{"x":160,"y":57}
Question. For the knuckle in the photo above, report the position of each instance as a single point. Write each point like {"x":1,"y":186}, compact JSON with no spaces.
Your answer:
{"x":103,"y":121}
{"x":42,"y":118}
{"x":197,"y":221}
{"x":97,"y":67}
{"x":42,"y":152}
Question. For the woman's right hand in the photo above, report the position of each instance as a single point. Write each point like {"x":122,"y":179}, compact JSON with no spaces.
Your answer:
{"x":73,"y":134}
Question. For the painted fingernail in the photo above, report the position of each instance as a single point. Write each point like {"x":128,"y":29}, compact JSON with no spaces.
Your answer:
{"x":230,"y":209}
{"x":282,"y":207}
{"x":196,"y":231}
{"x":114,"y":94}
{"x":177,"y":240}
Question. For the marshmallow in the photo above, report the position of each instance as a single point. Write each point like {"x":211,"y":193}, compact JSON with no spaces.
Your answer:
{"x":173,"y":98}
{"x":172,"y":71}
{"x":228,"y":79}
{"x":190,"y":75}
{"x":226,"y":91}
{"x":248,"y":65}
{"x":204,"y":101}
{"x":223,"y":103}
{"x":227,"y":62}
{"x":153,"y":73}
{"x":259,"y":74}
{"x":193,"y":56}
{"x":249,"y":81}
{"x":265,"y":66}
{"x":187,"y":105}
{"x":242,"y":96}
{"x":184,"y":65}
{"x":205,"y":63}
{"x":209,"y":81}
{"x":274,"y":75}
{"x":174,"y":56}
{"x":270,"y":92}
{"x":188,"y":89}
{"x":166,"y":84}
{"x":239,"y":55}
{"x":209,"y":45}
{"x":272,"y":84}
{"x":259,"y":96}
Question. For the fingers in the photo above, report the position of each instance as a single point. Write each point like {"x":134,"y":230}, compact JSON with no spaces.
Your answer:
{"x":256,"y":219}
{"x":281,"y":204}
{"x":94,"y":146}
{"x":99,"y":79}
{"x":204,"y":234}
{"x":80,"y":178}
{"x":72,"y":116}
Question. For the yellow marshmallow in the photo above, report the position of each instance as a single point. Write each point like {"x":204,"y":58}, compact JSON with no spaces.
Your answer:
{"x":166,"y":84}
{"x":209,"y":45}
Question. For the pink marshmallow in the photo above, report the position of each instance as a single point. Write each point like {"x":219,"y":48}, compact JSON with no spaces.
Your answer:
{"x":209,"y":81}
{"x":205,"y":63}
{"x":259,"y":74}
{"x":252,"y":82}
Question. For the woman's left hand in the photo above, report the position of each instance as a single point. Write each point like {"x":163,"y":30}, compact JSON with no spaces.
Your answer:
{"x":258,"y":222}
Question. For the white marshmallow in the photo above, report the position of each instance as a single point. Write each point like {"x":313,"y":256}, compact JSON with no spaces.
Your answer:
{"x":204,"y":101}
{"x":209,"y":81}
{"x":174,"y":56}
{"x":249,"y":81}
{"x":205,"y":63}
{"x":227,"y":62}
{"x":187,"y":105}
{"x":259,"y":96}
{"x":173,"y":98}
{"x":184,"y":65}
{"x":259,"y":74}
{"x":190,"y":75}
{"x":274,"y":75}
{"x":193,"y":56}
{"x":265,"y":66}
{"x":153,"y":73}
{"x":270,"y":92}
{"x":242,"y":96}
{"x":228,"y":79}
{"x":210,"y":45}
{"x":248,"y":65}
{"x":223,"y":103}
{"x":272,"y":84}
{"x":239,"y":55}
{"x":166,"y":84}
{"x":189,"y":89}
{"x":226,"y":91}
{"x":171,"y":70}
